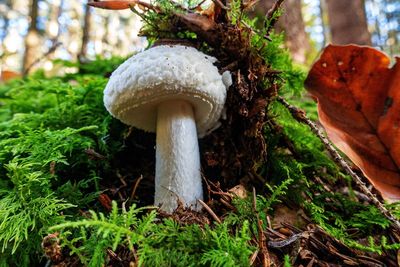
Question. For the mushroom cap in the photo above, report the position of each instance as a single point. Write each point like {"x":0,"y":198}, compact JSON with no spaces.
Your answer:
{"x":163,"y":73}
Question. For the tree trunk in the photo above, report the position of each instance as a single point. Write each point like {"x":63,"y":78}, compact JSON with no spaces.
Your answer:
{"x":105,"y":38}
{"x":4,"y":30}
{"x":32,"y":39}
{"x":324,"y":22}
{"x":86,"y":34}
{"x":53,"y":25}
{"x":292,"y":24}
{"x":348,"y":23}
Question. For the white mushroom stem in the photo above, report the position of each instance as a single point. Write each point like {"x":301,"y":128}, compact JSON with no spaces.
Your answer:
{"x":177,"y":157}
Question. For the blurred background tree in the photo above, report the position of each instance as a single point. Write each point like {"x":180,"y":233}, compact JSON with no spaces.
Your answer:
{"x":348,"y":22}
{"x":292,"y":25}
{"x":34,"y":33}
{"x":39,"y":31}
{"x":32,"y":39}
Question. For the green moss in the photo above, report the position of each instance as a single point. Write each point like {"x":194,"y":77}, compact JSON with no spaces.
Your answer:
{"x":336,"y":213}
{"x":166,"y":243}
{"x":45,"y":127}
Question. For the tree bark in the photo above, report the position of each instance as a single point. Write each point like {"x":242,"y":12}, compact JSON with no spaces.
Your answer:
{"x":32,"y":39}
{"x":348,"y":22}
{"x":292,"y":24}
{"x":85,"y":34}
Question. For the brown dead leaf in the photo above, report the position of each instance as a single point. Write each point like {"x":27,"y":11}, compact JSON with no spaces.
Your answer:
{"x":238,"y":191}
{"x":51,"y":247}
{"x":105,"y":201}
{"x":359,"y":106}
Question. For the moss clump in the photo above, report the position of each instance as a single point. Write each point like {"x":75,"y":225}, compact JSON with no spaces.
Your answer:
{"x":167,"y":243}
{"x":46,"y":127}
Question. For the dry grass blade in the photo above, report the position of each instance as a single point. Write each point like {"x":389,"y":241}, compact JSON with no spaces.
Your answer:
{"x":261,"y":236}
{"x":136,"y":186}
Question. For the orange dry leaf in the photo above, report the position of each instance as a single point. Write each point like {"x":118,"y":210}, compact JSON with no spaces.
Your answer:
{"x":359,"y":106}
{"x":6,"y":75}
{"x":113,"y":5}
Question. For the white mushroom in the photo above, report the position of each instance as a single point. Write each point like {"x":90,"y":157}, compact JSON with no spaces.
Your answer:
{"x":177,"y":92}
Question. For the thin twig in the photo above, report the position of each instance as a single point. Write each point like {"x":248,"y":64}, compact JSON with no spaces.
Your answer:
{"x":276,"y":233}
{"x":269,"y":17}
{"x":273,"y":9}
{"x":41,"y":58}
{"x":254,"y":201}
{"x":220,"y":192}
{"x":300,"y":116}
{"x":220,"y":4}
{"x":210,"y":211}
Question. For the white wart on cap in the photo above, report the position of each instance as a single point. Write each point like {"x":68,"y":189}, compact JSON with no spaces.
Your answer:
{"x":177,"y":92}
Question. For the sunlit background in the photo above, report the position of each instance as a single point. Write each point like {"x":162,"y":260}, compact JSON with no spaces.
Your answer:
{"x":116,"y":32}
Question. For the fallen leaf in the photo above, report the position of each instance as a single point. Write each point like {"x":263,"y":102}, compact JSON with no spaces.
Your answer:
{"x":105,"y":201}
{"x":113,"y":5}
{"x":359,"y":106}
{"x":238,"y":191}
{"x":6,"y":75}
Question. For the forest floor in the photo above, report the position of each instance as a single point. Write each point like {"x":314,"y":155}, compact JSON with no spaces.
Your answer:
{"x":77,"y":186}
